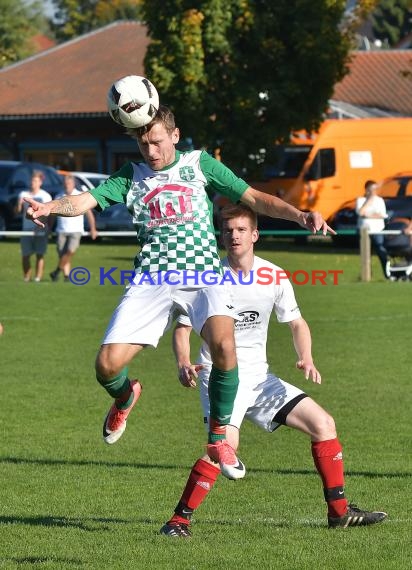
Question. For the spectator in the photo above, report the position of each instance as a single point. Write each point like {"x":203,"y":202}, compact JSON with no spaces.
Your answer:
{"x":69,"y":233}
{"x":36,"y":243}
{"x":408,"y":229}
{"x":371,"y":210}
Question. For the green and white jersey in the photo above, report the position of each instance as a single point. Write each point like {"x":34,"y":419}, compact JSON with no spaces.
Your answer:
{"x":171,"y":210}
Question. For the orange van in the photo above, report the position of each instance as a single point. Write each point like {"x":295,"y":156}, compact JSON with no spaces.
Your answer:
{"x":343,"y":155}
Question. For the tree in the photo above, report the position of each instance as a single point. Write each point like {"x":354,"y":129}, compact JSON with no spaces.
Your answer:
{"x":76,"y":17}
{"x":246,"y":72}
{"x":19,"y":22}
{"x":392,"y":20}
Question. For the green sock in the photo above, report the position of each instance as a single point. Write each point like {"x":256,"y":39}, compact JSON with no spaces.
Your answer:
{"x":119,"y":387}
{"x":222,"y":392}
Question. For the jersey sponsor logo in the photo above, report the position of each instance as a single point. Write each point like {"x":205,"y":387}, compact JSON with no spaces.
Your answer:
{"x":249,"y":316}
{"x":187,"y":173}
{"x":170,"y":202}
{"x":248,"y":320}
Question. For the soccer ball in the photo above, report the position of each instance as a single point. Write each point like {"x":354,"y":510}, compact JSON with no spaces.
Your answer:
{"x":132,"y":101}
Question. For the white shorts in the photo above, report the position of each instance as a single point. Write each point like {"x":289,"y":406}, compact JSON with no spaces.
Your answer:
{"x":260,"y":401}
{"x":67,"y":242}
{"x":147,"y":310}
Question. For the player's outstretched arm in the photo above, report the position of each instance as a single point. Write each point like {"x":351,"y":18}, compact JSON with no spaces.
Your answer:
{"x":92,"y":224}
{"x":187,"y":372}
{"x":302,"y":341}
{"x":275,"y":207}
{"x":67,"y":206}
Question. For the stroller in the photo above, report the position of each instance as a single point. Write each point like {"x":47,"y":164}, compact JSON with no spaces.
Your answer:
{"x":399,"y":248}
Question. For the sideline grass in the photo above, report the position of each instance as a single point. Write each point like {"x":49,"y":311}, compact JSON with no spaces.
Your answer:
{"x":70,"y":502}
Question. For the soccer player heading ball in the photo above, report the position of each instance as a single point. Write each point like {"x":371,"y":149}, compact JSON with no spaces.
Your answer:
{"x":166,"y":195}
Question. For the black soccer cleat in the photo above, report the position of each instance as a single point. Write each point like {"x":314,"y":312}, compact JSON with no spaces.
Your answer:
{"x":176,"y":530}
{"x":356,"y":517}
{"x":54,"y":276}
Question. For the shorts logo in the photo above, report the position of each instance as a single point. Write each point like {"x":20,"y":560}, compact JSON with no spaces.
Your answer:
{"x":187,"y":173}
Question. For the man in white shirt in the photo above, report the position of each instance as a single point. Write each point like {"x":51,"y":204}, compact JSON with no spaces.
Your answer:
{"x":37,"y":242}
{"x":69,"y":233}
{"x":371,"y":210}
{"x":258,"y":289}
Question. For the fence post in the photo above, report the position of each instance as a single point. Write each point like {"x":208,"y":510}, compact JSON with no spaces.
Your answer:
{"x":365,"y":254}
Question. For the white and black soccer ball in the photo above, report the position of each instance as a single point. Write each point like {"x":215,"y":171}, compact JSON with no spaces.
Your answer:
{"x":132,"y":101}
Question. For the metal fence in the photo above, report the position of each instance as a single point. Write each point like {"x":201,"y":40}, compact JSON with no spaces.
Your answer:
{"x":364,"y":242}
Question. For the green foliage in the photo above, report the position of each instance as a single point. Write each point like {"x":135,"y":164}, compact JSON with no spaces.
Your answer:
{"x":245,"y":72}
{"x":392,"y":20}
{"x":76,"y":17}
{"x":70,"y":502}
{"x":19,"y":22}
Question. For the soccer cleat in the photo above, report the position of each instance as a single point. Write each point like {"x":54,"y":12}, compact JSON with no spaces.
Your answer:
{"x":230,"y":466}
{"x":356,"y":517}
{"x":176,"y":530}
{"x":115,"y":421}
{"x":54,"y":276}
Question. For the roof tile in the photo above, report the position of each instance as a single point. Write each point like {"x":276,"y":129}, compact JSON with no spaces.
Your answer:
{"x":381,"y":79}
{"x":74,"y":77}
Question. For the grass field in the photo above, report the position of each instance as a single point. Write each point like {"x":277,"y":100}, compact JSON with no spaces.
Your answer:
{"x":70,"y":502}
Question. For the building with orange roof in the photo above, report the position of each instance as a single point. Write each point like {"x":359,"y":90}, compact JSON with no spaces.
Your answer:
{"x":53,"y":104}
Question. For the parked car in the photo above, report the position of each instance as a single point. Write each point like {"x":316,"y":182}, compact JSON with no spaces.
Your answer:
{"x":397,"y":193}
{"x":86,"y":180}
{"x":89,"y":180}
{"x":15,"y":176}
{"x":397,"y":186}
{"x":113,"y":219}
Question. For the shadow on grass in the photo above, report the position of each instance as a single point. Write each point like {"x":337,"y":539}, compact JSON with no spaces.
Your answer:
{"x":87,"y":524}
{"x":44,"y":560}
{"x":125,"y":464}
{"x":94,"y":524}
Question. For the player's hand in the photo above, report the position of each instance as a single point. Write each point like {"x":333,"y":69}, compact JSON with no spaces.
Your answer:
{"x":314,"y":222}
{"x":188,"y":374}
{"x":310,"y":371}
{"x":37,"y":210}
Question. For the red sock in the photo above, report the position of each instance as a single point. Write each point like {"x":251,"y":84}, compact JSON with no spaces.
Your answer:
{"x":327,"y":456}
{"x":216,"y":431}
{"x":201,"y":480}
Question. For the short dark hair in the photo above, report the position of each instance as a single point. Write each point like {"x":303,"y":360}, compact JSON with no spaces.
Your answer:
{"x":369,"y":183}
{"x":163,"y":116}
{"x":38,"y":174}
{"x":236,"y":211}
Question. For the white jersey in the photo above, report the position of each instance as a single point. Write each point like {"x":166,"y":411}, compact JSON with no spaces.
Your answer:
{"x":267,"y":292}
{"x":70,"y":225}
{"x":376,"y":206}
{"x":42,"y":196}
